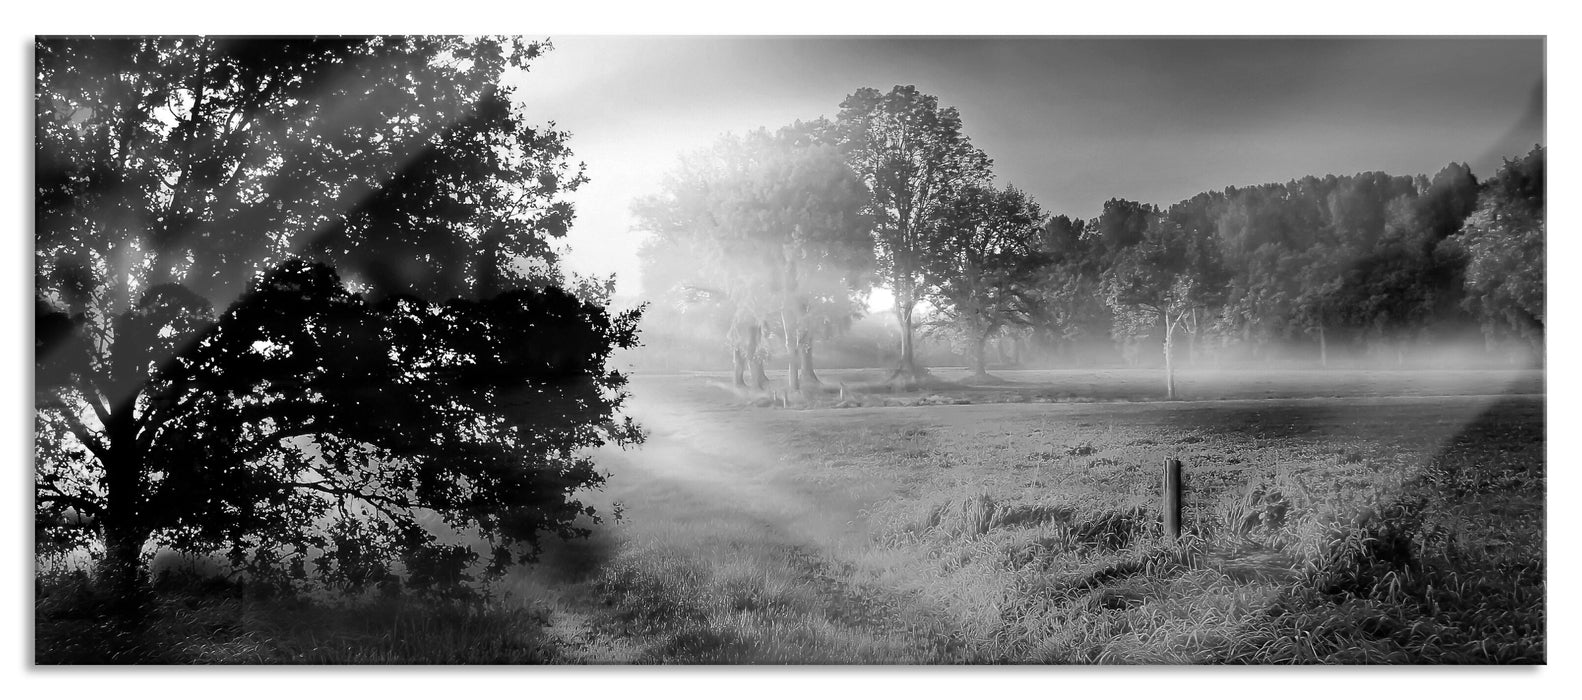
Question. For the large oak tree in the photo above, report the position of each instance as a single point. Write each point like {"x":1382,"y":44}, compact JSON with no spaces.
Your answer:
{"x":915,"y":160}
{"x":986,"y":262}
{"x":321,"y":414}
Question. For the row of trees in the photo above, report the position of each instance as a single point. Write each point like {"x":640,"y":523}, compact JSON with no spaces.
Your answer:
{"x":297,"y":304}
{"x":764,"y":231}
{"x":1373,"y":261}
{"x":781,"y":235}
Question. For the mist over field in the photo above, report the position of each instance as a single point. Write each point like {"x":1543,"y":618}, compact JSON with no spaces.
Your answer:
{"x":412,"y":350}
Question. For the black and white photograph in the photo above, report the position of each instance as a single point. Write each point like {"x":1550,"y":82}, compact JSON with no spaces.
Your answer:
{"x":821,"y":350}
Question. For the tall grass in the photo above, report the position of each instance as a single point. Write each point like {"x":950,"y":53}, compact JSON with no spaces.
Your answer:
{"x":717,"y":595}
{"x":1355,"y":545}
{"x":206,"y":619}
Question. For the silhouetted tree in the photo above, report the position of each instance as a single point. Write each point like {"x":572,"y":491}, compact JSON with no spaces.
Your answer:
{"x":306,"y":424}
{"x":171,"y":173}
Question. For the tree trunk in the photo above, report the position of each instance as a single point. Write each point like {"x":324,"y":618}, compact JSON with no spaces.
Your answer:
{"x":756,"y":377}
{"x":809,"y":379}
{"x":908,"y":368}
{"x":793,"y":362}
{"x":1170,"y":372}
{"x":122,"y":570}
{"x":980,"y":357}
{"x":738,"y":367}
{"x":792,"y":314}
{"x":755,"y":361}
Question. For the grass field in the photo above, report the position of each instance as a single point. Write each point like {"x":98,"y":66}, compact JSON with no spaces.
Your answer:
{"x":1358,"y":532}
{"x":957,"y":385}
{"x":1331,"y":517}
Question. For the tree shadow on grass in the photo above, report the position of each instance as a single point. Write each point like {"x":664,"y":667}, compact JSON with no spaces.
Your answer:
{"x":579,"y":559}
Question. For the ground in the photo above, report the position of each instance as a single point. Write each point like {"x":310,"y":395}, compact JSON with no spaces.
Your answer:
{"x":1330,"y":517}
{"x":1025,"y":532}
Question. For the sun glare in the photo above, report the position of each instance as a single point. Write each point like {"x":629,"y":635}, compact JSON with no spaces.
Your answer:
{"x":880,"y":300}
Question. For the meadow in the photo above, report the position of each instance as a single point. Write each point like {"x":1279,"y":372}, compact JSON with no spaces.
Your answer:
{"x":1330,"y":517}
{"x":1343,"y":530}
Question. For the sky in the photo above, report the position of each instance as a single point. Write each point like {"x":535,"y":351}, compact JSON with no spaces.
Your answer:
{"x":1073,"y":121}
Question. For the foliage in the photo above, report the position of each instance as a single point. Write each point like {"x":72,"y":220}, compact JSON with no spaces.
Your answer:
{"x":1504,"y":239}
{"x":179,"y":176}
{"x":768,"y":230}
{"x":984,"y":263}
{"x":199,"y":160}
{"x":1064,"y":303}
{"x":1122,"y":224}
{"x":1367,"y":264}
{"x":1169,"y":277}
{"x":915,"y":160}
{"x":309,"y":430}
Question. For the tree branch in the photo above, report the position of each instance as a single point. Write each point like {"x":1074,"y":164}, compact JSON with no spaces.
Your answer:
{"x":82,"y":504}
{"x":85,"y":436}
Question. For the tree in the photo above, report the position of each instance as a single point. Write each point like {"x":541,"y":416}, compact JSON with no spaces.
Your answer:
{"x":1064,"y":303}
{"x":1357,"y":251}
{"x":1253,"y":236}
{"x":699,"y":261}
{"x":1388,"y":294}
{"x":804,"y":206}
{"x":777,"y":221}
{"x":1123,"y":223}
{"x":1445,"y":202}
{"x":1405,"y":280}
{"x":307,"y":422}
{"x":984,"y":264}
{"x":1167,"y":278}
{"x":400,"y":160}
{"x":914,"y":160}
{"x":1321,"y":282}
{"x":1504,"y":239}
{"x":683,"y":326}
{"x":175,"y":175}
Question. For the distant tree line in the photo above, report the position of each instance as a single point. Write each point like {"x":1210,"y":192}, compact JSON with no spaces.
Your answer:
{"x":780,"y":236}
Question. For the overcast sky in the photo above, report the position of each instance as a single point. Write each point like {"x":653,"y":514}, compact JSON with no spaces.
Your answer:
{"x":1074,"y":121}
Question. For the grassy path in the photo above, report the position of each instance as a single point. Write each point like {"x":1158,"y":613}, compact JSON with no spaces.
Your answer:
{"x":722,"y":555}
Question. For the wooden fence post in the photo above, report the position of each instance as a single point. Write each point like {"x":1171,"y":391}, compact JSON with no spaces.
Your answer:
{"x":1172,"y":505}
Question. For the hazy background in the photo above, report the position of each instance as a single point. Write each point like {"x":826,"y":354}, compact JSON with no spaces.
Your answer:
{"x":1074,"y":121}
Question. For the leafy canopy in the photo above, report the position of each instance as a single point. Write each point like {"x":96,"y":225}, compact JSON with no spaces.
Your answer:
{"x":326,"y":194}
